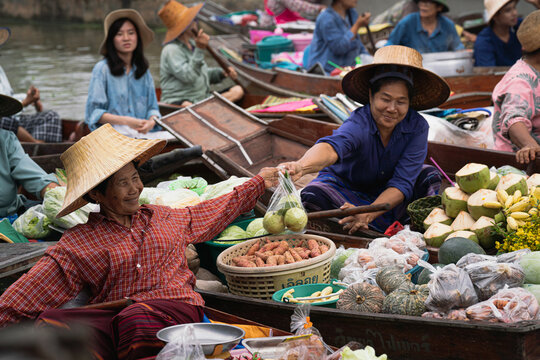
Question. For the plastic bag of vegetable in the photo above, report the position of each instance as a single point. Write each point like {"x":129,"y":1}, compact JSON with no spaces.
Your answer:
{"x":183,"y":346}
{"x":338,"y":262}
{"x":178,"y":199}
{"x":489,"y":277}
{"x":315,"y":347}
{"x":533,"y":289}
{"x":531,"y":266}
{"x":33,"y":224}
{"x":285,"y":210}
{"x":223,"y":187}
{"x":149,"y":194}
{"x":52,"y":203}
{"x":513,"y":257}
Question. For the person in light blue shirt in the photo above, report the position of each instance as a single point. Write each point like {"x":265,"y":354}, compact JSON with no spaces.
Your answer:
{"x":336,"y":38}
{"x":121,"y":90}
{"x":427,"y":30}
{"x":16,"y":168}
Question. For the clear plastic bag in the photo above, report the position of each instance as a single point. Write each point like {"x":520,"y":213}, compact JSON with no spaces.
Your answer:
{"x":472,"y":258}
{"x":301,"y":325}
{"x":489,"y":277}
{"x":338,"y":262}
{"x":450,"y":287}
{"x":177,"y":199}
{"x":33,"y":224}
{"x":285,"y":210}
{"x":183,"y":347}
{"x":513,"y":257}
{"x":443,"y":131}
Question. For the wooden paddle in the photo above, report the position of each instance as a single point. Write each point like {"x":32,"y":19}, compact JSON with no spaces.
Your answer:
{"x":347,"y":212}
{"x":371,"y":41}
{"x":222,"y":62}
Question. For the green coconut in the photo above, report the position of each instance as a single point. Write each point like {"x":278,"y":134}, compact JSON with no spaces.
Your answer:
{"x":437,"y":215}
{"x":476,"y":202}
{"x":454,"y":200}
{"x":463,"y":234}
{"x":473,"y":177}
{"x":494,"y":179}
{"x":436,"y":233}
{"x":464,"y":221}
{"x":533,"y":181}
{"x":513,"y":182}
{"x":483,"y":228}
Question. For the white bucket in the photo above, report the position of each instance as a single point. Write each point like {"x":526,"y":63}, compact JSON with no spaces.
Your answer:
{"x":449,"y":63}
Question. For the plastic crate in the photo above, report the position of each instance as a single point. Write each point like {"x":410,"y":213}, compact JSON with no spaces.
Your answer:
{"x":272,"y":45}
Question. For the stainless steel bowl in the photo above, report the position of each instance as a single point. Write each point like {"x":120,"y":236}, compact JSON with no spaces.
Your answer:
{"x":214,"y":338}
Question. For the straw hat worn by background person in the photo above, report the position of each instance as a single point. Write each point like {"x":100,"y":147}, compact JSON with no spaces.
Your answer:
{"x":439,"y":2}
{"x":147,"y":35}
{"x":5,"y":33}
{"x":492,"y":6}
{"x":528,"y":32}
{"x":96,"y":157}
{"x":429,"y":89}
{"x":177,"y":18}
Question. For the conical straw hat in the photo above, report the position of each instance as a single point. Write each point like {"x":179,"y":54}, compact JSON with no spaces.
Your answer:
{"x":430,"y":90}
{"x":9,"y":105}
{"x":177,"y":18}
{"x":492,"y":6}
{"x":146,"y":34}
{"x":528,"y":32}
{"x":4,"y":35}
{"x":96,"y":157}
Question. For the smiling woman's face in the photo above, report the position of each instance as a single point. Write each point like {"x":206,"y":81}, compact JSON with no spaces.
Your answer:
{"x":389,"y":105}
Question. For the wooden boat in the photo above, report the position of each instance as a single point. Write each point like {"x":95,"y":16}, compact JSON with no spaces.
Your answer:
{"x":284,"y":82}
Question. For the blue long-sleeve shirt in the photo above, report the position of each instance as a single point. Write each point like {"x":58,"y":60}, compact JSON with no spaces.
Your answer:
{"x":490,"y":50}
{"x":332,"y":40}
{"x":366,"y":165}
{"x":120,"y":95}
{"x":409,"y":32}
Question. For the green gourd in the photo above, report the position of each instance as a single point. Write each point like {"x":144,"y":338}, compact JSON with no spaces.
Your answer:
{"x":408,"y":299}
{"x":390,"y":278}
{"x":361,"y":297}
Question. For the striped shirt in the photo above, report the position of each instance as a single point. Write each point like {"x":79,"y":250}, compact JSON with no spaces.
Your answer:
{"x":145,"y":261}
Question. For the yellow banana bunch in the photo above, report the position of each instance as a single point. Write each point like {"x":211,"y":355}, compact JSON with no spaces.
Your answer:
{"x":502,"y":196}
{"x":519,"y":215}
{"x":492,"y":205}
{"x":522,"y":205}
{"x":512,"y":223}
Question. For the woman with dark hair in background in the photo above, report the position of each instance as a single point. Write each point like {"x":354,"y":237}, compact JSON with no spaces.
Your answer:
{"x":121,"y":91}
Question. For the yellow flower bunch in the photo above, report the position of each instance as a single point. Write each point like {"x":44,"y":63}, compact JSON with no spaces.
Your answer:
{"x":526,"y":236}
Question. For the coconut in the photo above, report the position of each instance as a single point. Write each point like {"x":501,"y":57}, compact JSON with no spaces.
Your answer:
{"x":483,"y":228}
{"x":436,"y":233}
{"x":533,"y":181}
{"x":463,"y":221}
{"x":464,"y":234}
{"x":477,"y":200}
{"x":512,"y":182}
{"x":473,"y":177}
{"x":454,"y":200}
{"x":436,"y":215}
{"x":494,"y":179}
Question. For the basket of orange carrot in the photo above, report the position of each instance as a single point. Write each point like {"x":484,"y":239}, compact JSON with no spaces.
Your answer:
{"x":260,"y":267}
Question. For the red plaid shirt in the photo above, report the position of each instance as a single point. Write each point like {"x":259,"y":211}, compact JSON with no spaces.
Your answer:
{"x":143,"y":262}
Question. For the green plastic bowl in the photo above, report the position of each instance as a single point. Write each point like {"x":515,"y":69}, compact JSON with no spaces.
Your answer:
{"x":307,"y":290}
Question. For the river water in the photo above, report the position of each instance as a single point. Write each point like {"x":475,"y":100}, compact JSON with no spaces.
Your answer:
{"x":58,"y":57}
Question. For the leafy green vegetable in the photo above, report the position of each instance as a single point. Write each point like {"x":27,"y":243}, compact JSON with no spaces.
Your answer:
{"x":52,"y":203}
{"x":233,"y":232}
{"x":368,"y":353}
{"x":223,"y":187}
{"x":254,"y":226}
{"x":33,"y":224}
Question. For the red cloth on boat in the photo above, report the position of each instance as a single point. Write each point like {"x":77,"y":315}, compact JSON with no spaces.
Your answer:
{"x":143,"y":262}
{"x":285,"y":16}
{"x":130,"y":333}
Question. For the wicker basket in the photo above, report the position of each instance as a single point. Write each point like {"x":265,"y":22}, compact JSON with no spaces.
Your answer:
{"x":419,"y":210}
{"x":262,"y":282}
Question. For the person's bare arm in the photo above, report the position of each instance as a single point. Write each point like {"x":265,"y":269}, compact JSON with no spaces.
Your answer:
{"x":314,"y":160}
{"x":24,"y":136}
{"x":521,"y":137}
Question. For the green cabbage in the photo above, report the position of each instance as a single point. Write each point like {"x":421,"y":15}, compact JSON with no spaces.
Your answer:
{"x":33,"y":224}
{"x":368,"y":353}
{"x":52,"y":203}
{"x":531,"y":267}
{"x":533,"y":289}
{"x":197,"y":184}
{"x":338,"y":261}
{"x":261,"y":232}
{"x":233,"y":232}
{"x":254,"y":227}
{"x":223,"y":187}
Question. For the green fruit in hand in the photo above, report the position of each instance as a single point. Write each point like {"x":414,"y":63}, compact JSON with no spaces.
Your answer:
{"x":296,"y":219}
{"x":273,"y":222}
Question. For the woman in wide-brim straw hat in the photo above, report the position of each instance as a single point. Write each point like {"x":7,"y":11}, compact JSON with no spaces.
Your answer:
{"x":497,"y":44}
{"x":185,"y":77}
{"x":516,"y":100}
{"x":377,"y":155}
{"x":124,"y":251}
{"x":427,"y":30}
{"x":121,"y":91}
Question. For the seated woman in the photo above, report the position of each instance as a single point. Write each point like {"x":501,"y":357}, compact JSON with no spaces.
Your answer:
{"x":184,"y":76}
{"x":516,"y":98}
{"x":121,"y":91}
{"x":124,"y":251}
{"x":43,"y":126}
{"x":427,"y":30}
{"x":16,"y":168}
{"x":284,"y":11}
{"x":377,"y":155}
{"x":336,"y":38}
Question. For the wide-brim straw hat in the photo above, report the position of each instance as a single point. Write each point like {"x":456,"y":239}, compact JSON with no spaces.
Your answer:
{"x":527,"y":33}
{"x":146,"y":34}
{"x":430,"y":90}
{"x":97,"y":156}
{"x":9,"y":105}
{"x":493,"y":6}
{"x":440,"y":2}
{"x":177,"y":18}
{"x":5,"y":33}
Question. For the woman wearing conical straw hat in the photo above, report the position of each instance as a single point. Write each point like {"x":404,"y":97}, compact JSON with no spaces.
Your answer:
{"x":516,"y":98}
{"x":121,"y":90}
{"x":124,"y":251}
{"x":377,"y":155}
{"x":497,"y":44}
{"x":184,"y":76}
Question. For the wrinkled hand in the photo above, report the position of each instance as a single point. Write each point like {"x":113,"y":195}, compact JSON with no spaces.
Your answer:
{"x":270,"y":176}
{"x":356,"y":222}
{"x":147,"y":125}
{"x":201,"y":40}
{"x":294,"y":168}
{"x":231,"y":72}
{"x":527,"y":154}
{"x":134,"y":123}
{"x":363,"y":19}
{"x":39,"y":106}
{"x":32,"y":96}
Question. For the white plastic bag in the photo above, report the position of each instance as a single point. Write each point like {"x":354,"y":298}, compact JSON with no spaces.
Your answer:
{"x":33,"y":224}
{"x":177,"y":199}
{"x":489,"y":277}
{"x":183,"y":347}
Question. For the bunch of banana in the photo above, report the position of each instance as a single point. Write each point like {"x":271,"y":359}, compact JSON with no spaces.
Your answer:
{"x":518,"y":208}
